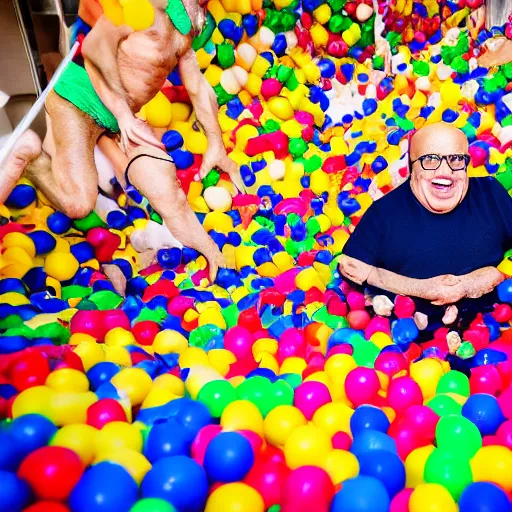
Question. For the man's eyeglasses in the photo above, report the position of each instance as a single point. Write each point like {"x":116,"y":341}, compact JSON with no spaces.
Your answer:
{"x":457,"y":162}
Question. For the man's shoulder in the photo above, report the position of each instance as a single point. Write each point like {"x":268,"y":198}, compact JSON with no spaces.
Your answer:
{"x":486,"y":185}
{"x":396,"y":195}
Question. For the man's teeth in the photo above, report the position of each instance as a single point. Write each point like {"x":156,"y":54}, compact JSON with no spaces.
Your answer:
{"x":444,"y":183}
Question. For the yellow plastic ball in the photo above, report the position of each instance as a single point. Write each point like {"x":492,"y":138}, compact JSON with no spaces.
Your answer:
{"x":293,"y":365}
{"x":169,"y":341}
{"x":281,"y":108}
{"x":493,"y":464}
{"x":235,"y":497}
{"x":415,"y":465}
{"x":221,"y":359}
{"x":119,"y":434}
{"x":119,"y":337}
{"x":339,"y":365}
{"x":280,"y":422}
{"x":427,"y":373}
{"x":17,"y":255}
{"x":242,"y":415}
{"x":138,"y":14}
{"x":193,"y":356}
{"x":68,"y":379}
{"x":431,"y":498}
{"x":333,"y":417}
{"x":134,"y":382}
{"x":80,"y":438}
{"x":307,"y":445}
{"x":158,"y":111}
{"x":134,"y":462}
{"x":158,"y":397}
{"x":79,"y":337}
{"x":90,"y":353}
{"x":68,"y":408}
{"x":61,"y":265}
{"x":19,"y":240}
{"x":171,"y":383}
{"x":341,"y":465}
{"x":113,"y":11}
{"x":34,"y":400}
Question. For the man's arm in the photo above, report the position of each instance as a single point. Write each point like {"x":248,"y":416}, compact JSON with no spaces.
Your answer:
{"x":206,"y":108}
{"x":482,"y":281}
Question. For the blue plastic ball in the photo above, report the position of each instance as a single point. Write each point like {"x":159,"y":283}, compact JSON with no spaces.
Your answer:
{"x":484,"y":497}
{"x":485,"y":412}
{"x":101,"y":373}
{"x":11,"y":454}
{"x":166,"y":439}
{"x":368,"y":417}
{"x":32,"y":431}
{"x":179,"y":480}
{"x":21,"y":197}
{"x":192,"y":415}
{"x":361,"y":494}
{"x":371,"y":440}
{"x":104,"y":487}
{"x":385,"y":467}
{"x":14,"y":492}
{"x":228,"y":457}
{"x":43,"y":241}
{"x":58,"y":223}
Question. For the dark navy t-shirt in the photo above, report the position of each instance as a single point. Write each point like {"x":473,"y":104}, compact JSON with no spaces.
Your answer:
{"x":399,"y":234}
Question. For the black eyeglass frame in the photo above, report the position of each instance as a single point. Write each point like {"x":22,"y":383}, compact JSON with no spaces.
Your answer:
{"x":467,"y":159}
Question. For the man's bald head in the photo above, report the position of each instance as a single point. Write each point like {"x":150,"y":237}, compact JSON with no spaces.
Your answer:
{"x":438,"y":138}
{"x":436,"y":185}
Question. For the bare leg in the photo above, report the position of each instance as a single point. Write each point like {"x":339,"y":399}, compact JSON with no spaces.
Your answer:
{"x":499,"y":52}
{"x":69,"y":179}
{"x":156,"y":180}
{"x":27,"y":148}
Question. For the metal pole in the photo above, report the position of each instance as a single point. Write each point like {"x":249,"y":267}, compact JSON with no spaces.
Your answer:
{"x":36,"y":107}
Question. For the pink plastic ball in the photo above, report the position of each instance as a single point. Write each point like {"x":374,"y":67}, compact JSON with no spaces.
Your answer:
{"x":406,"y":437}
{"x":362,"y":385}
{"x":145,"y":332}
{"x":179,"y":304}
{"x":341,"y":441}
{"x":404,"y":307}
{"x":270,"y":87}
{"x":359,"y":319}
{"x":105,"y":411}
{"x":377,"y":324}
{"x":239,"y":341}
{"x":88,"y":322}
{"x":307,"y":488}
{"x":310,"y":396}
{"x":404,"y":392}
{"x":356,"y":301}
{"x":400,"y":502}
{"x":115,"y":318}
{"x":423,"y":419}
{"x":502,"y":313}
{"x":202,"y":440}
{"x":491,"y":441}
{"x":390,"y":363}
{"x":291,"y":344}
{"x":485,"y":379}
{"x":504,"y":434}
{"x":342,"y":348}
{"x":255,"y":440}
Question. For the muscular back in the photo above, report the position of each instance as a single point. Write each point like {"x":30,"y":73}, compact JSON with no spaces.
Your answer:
{"x":146,"y":58}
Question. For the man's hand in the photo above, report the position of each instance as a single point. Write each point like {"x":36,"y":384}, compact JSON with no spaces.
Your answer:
{"x":217,"y":158}
{"x":135,"y":132}
{"x":355,"y":270}
{"x":383,"y":49}
{"x":445,"y":289}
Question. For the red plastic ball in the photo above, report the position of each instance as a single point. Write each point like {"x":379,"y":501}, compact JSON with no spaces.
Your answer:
{"x":404,"y":307}
{"x":390,"y":363}
{"x":267,"y":477}
{"x":145,"y":332}
{"x":30,"y":370}
{"x":504,"y":434}
{"x":423,"y":419}
{"x":359,"y":319}
{"x":47,"y":506}
{"x":406,"y":437}
{"x":404,"y":392}
{"x":502,"y":313}
{"x":51,"y":472}
{"x":307,"y":488}
{"x":362,"y":385}
{"x":105,"y":411}
{"x":341,"y":441}
{"x":485,"y":379}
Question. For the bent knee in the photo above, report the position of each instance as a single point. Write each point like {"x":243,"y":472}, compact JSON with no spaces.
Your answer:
{"x":78,"y":207}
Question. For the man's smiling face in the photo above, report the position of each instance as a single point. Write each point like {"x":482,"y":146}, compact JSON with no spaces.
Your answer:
{"x":439,"y":189}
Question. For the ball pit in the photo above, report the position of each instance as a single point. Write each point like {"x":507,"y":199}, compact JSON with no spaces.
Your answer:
{"x":277,"y":387}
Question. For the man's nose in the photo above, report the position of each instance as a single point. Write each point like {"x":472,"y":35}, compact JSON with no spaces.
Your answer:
{"x":444,"y":168}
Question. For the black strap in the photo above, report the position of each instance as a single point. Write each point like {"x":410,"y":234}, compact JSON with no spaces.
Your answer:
{"x":140,"y":156}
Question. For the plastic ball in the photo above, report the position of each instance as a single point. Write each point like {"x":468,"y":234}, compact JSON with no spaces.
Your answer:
{"x":134,"y":462}
{"x":153,"y":505}
{"x":341,"y":465}
{"x":384,"y":466}
{"x":453,"y":382}
{"x":52,"y":472}
{"x":47,"y":506}
{"x":368,"y":417}
{"x":307,"y":445}
{"x":118,"y":434}
{"x":134,"y":382}
{"x":415,"y":465}
{"x":310,"y":396}
{"x":61,"y":265}
{"x":280,"y":423}
{"x":32,"y":431}
{"x":458,"y":433}
{"x":170,"y":475}
{"x":228,"y":457}
{"x":14,"y":492}
{"x":361,"y":494}
{"x":484,"y":411}
{"x":403,"y":393}
{"x":307,"y":488}
{"x":165,"y":439}
{"x":242,"y":415}
{"x":492,"y":464}
{"x":362,"y":385}
{"x":235,"y":497}
{"x":81,"y":439}
{"x":431,"y":498}
{"x":105,"y":411}
{"x":369,"y":440}
{"x":95,"y":491}
{"x":484,"y":496}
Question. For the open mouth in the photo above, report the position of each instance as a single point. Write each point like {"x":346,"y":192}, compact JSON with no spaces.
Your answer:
{"x":442,"y":184}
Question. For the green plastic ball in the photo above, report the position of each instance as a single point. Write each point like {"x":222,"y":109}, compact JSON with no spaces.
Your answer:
{"x":457,"y":433}
{"x":217,"y":395}
{"x":444,"y":405}
{"x":153,"y":505}
{"x":453,"y":382}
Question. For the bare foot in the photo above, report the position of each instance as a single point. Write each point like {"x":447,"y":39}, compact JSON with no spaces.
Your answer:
{"x":146,"y":258}
{"x":27,"y":148}
{"x":499,"y":51}
{"x":454,"y":341}
{"x":116,"y":277}
{"x":450,"y":315}
{"x":421,"y":320}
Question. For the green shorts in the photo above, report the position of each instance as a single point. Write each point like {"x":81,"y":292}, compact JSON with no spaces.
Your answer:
{"x":75,"y":86}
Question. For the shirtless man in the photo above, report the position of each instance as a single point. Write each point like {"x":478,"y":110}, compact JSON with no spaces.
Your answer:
{"x":124,"y":69}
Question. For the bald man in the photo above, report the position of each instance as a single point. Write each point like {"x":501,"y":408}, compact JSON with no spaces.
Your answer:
{"x":438,"y":237}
